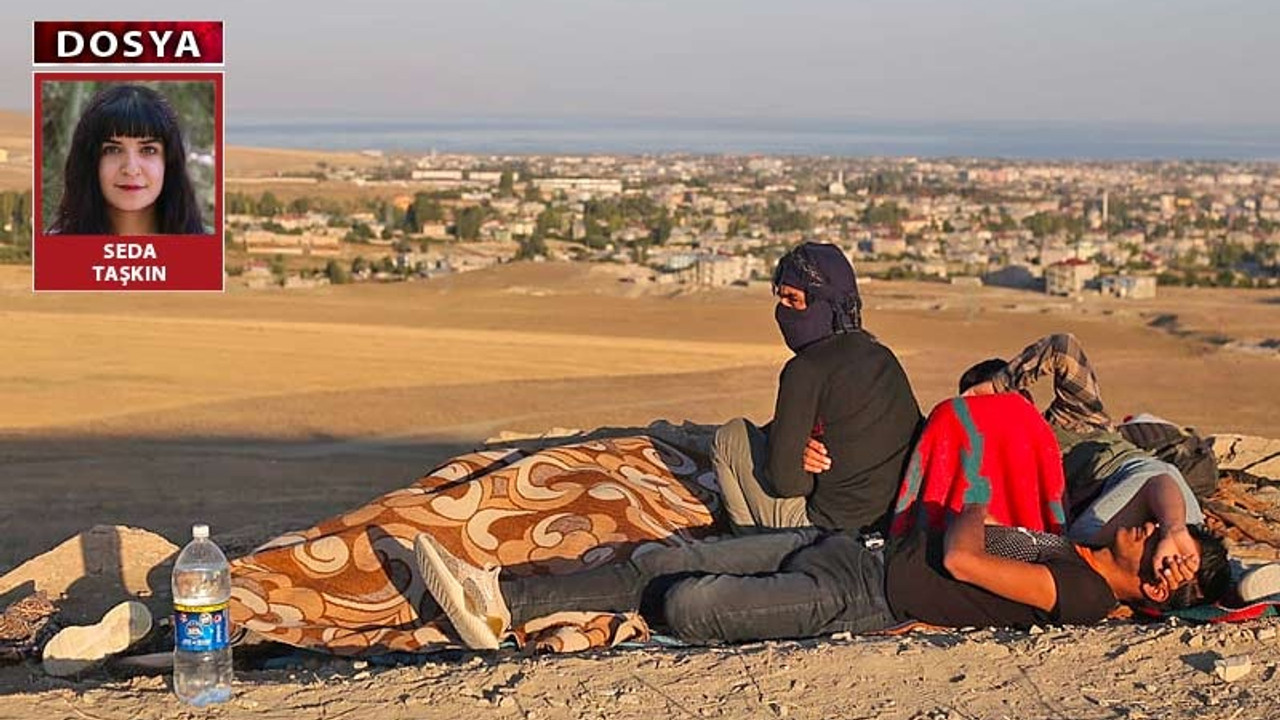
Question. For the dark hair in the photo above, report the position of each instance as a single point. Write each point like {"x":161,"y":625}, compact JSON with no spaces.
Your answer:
{"x":132,"y":111}
{"x":1212,"y":580}
{"x":982,"y":372}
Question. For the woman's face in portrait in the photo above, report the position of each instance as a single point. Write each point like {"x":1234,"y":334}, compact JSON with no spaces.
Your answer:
{"x":131,"y":172}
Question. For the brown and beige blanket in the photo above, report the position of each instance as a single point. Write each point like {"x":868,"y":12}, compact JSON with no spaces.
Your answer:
{"x":349,"y":584}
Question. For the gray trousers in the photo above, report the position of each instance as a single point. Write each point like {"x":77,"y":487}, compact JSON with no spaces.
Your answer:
{"x":740,"y":454}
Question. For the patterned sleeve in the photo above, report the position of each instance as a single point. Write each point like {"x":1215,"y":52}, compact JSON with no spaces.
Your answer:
{"x":1077,"y":401}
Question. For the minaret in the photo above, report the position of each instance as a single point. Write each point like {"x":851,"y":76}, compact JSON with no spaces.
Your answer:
{"x":1105,"y":218}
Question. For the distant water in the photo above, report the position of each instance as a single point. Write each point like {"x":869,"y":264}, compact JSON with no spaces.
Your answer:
{"x":770,"y":137}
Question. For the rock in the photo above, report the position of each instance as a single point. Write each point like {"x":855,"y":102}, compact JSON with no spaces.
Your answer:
{"x":359,"y":664}
{"x":91,"y":572}
{"x":1254,"y":455}
{"x":1266,"y":633}
{"x":1232,"y":668}
{"x":1035,"y":630}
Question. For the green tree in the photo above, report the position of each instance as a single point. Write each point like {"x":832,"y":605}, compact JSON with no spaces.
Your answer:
{"x":279,"y":270}
{"x":337,"y":274}
{"x":782,"y":218}
{"x":425,"y":208}
{"x":549,"y":222}
{"x":506,"y":184}
{"x":661,"y":230}
{"x":467,"y":222}
{"x":239,"y":203}
{"x":889,"y":214}
{"x":1227,"y":255}
{"x":531,"y":248}
{"x":359,"y":233}
{"x":269,"y":205}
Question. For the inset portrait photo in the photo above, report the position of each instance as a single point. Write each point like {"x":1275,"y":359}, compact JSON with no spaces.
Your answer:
{"x":128,"y":157}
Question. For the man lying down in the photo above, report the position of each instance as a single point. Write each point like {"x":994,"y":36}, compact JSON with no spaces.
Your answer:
{"x":807,"y":582}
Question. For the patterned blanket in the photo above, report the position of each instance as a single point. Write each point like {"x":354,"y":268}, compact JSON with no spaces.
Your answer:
{"x":349,"y":585}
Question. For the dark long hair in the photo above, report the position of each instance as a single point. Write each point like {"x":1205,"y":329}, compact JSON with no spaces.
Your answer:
{"x":132,"y":111}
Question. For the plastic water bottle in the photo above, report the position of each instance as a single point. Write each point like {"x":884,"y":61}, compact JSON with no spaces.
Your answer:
{"x":201,"y":627}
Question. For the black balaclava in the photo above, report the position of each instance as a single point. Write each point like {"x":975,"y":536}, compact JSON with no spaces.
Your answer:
{"x":832,"y":303}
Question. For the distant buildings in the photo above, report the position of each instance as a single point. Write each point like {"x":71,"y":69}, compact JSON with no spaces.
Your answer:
{"x":1130,"y":287}
{"x":578,"y":186}
{"x":1069,"y":277}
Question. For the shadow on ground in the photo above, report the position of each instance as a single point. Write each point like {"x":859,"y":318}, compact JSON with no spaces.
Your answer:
{"x":244,"y":489}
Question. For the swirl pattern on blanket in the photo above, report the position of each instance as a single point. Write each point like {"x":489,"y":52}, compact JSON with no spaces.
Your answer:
{"x":349,"y":585}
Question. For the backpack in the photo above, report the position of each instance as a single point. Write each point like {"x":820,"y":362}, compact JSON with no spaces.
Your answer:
{"x":1181,"y":447}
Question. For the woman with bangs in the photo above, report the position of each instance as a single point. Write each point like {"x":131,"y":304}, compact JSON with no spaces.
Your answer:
{"x":126,"y":171}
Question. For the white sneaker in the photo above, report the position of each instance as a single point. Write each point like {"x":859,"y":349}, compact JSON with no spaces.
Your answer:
{"x":470,"y":596}
{"x":1260,"y":582}
{"x":76,"y":649}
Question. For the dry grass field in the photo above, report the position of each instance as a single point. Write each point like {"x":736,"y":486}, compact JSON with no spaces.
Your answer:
{"x":267,"y":162}
{"x":153,"y":410}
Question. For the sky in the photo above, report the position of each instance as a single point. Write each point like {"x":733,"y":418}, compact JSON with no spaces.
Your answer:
{"x":1075,"y":61}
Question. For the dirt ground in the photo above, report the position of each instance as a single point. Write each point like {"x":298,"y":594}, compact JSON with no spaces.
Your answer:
{"x":159,"y":411}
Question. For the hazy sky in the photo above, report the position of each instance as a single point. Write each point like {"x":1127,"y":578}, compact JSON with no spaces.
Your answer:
{"x":1167,"y":61}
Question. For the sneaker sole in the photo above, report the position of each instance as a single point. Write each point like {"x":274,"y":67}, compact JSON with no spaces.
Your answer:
{"x":1260,"y":583}
{"x":448,"y":592}
{"x":76,"y":649}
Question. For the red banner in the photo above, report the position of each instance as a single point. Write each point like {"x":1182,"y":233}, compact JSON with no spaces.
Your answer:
{"x":108,"y":262}
{"x":128,"y":42}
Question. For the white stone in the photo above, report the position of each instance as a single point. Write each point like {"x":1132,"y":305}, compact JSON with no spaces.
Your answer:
{"x":1232,"y":668}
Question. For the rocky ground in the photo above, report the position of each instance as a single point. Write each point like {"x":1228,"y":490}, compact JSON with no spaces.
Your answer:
{"x":1124,"y":669}
{"x":1164,"y":670}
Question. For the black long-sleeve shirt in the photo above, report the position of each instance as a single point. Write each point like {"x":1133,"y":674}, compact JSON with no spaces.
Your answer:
{"x":870,"y":417}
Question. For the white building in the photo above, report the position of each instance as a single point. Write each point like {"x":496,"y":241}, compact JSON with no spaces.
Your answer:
{"x":1069,"y":277}
{"x":1129,"y":287}
{"x":576,"y":186}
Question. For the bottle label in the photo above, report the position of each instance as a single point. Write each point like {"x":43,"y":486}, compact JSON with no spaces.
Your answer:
{"x":201,"y":628}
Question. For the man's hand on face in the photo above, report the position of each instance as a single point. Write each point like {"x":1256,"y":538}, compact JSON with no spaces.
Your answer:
{"x":1176,"y":554}
{"x":1177,"y":572}
{"x":816,"y":459}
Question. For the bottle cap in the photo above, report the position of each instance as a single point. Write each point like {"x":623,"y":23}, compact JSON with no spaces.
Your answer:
{"x":200,"y":532}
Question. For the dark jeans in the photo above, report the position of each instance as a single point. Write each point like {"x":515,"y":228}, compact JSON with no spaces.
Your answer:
{"x":787,"y":584}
